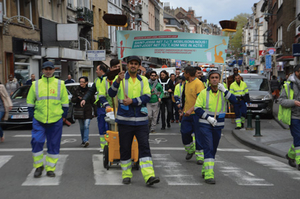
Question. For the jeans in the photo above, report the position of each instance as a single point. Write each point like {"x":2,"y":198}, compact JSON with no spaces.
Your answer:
{"x":84,"y":129}
{"x":1,"y":131}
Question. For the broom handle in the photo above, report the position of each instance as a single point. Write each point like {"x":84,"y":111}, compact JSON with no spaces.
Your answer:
{"x":228,"y":104}
{"x":215,"y":116}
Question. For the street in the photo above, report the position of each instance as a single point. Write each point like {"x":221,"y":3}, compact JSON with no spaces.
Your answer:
{"x":240,"y":172}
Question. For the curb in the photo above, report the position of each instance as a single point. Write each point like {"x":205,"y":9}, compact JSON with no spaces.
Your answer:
{"x":256,"y":145}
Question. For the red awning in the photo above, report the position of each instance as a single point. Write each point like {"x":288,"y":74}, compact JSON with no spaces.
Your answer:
{"x":285,"y":58}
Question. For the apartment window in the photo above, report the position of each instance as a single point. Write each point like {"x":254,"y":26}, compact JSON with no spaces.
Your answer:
{"x":84,"y":3}
{"x":279,"y":34}
{"x":24,"y":8}
{"x":280,"y":2}
{"x":4,"y":8}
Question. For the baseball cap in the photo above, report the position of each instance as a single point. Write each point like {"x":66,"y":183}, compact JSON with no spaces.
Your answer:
{"x":134,"y":58}
{"x":48,"y":64}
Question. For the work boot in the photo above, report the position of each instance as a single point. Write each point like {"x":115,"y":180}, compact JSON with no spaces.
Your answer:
{"x":169,"y":125}
{"x":292,"y":162}
{"x":189,"y":156}
{"x":163,"y":128}
{"x":237,"y":128}
{"x":203,"y":175}
{"x":126,"y":181}
{"x":153,"y":180}
{"x":210,"y":181}
{"x":200,"y":162}
{"x":50,"y":174}
{"x":38,"y":172}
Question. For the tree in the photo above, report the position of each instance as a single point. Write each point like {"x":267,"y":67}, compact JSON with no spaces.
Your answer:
{"x":235,"y":39}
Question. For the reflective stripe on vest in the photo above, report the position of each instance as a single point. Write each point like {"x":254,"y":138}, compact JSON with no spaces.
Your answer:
{"x":47,"y":97}
{"x":207,"y":104}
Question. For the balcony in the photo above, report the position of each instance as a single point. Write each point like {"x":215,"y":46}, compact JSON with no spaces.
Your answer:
{"x":104,"y":44}
{"x":138,"y":10}
{"x":84,"y":16}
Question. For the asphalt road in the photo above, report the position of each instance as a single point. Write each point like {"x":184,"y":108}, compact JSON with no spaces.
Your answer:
{"x":240,"y":172}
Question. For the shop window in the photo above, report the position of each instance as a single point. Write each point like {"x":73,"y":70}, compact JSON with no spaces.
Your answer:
{"x":22,"y":68}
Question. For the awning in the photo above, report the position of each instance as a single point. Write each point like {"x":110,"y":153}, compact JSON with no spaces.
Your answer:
{"x":285,"y":58}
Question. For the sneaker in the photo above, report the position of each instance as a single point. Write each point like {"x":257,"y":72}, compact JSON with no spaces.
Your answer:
{"x":172,"y":121}
{"x":292,"y":162}
{"x":126,"y":181}
{"x":2,"y":138}
{"x":50,"y":174}
{"x":189,"y":156}
{"x":169,"y":125}
{"x":101,"y":150}
{"x":177,"y":121}
{"x":163,"y":128}
{"x":210,"y":181}
{"x":82,"y":144}
{"x":38,"y":172}
{"x":152,"y":131}
{"x":153,"y":180}
{"x":86,"y":144}
{"x":199,"y":162}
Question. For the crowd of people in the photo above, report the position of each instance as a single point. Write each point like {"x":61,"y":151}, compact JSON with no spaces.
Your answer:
{"x":197,"y":102}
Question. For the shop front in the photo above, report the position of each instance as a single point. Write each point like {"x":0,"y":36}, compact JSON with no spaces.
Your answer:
{"x":26,"y":59}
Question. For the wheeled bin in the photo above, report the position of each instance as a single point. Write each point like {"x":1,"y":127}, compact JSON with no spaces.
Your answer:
{"x":111,"y":152}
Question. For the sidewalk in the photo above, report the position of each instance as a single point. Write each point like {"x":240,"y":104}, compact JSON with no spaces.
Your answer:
{"x":276,"y":137}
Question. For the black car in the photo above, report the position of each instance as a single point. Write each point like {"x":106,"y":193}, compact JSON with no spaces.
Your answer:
{"x":261,"y":99}
{"x":19,"y":113}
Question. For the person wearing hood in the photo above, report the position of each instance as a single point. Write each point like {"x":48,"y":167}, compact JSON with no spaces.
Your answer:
{"x":166,"y":101}
{"x":84,"y":123}
{"x":153,"y":105}
{"x":289,"y":113}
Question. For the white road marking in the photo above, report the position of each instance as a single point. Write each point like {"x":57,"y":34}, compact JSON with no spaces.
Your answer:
{"x":4,"y":159}
{"x":71,"y":140}
{"x":103,"y":176}
{"x":97,"y":149}
{"x":173,"y":172}
{"x":239,"y":175}
{"x":44,"y":180}
{"x":276,"y":165}
{"x":94,"y":135}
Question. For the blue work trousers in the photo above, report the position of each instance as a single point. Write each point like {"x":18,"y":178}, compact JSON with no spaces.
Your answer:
{"x":102,"y":125}
{"x":210,"y":139}
{"x":295,"y":131}
{"x":41,"y":131}
{"x":84,"y":125}
{"x":1,"y":130}
{"x":240,"y":109}
{"x":126,"y":134}
{"x":190,"y":125}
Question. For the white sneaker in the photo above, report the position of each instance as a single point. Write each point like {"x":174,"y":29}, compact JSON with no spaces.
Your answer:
{"x":101,"y":150}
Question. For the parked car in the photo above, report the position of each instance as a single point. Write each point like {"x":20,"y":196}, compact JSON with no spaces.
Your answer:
{"x":19,"y":113}
{"x":261,"y":99}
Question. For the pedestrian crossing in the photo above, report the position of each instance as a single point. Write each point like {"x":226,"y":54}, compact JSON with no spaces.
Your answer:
{"x":170,"y":171}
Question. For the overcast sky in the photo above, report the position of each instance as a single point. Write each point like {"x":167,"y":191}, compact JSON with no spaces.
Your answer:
{"x":215,"y":10}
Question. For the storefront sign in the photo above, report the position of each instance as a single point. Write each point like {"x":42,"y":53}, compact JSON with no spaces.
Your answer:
{"x":271,"y":51}
{"x":173,"y":45}
{"x":31,"y":47}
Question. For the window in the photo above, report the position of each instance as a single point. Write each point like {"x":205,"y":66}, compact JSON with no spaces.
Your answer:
{"x":4,"y":8}
{"x":24,"y":8}
{"x":279,"y":34}
{"x":280,"y":2}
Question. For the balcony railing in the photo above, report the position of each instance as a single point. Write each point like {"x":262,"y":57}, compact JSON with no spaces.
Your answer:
{"x":104,"y":44}
{"x":85,"y":16}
